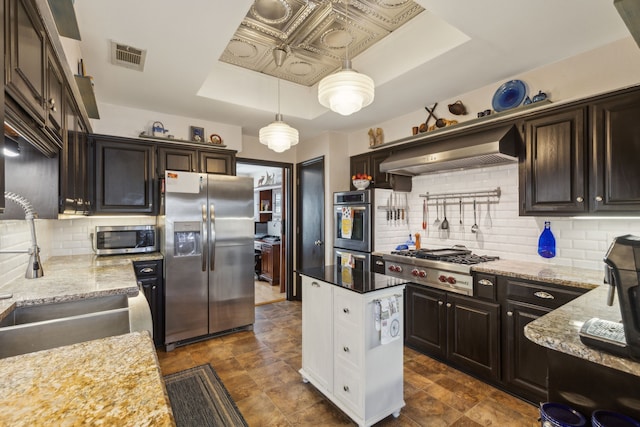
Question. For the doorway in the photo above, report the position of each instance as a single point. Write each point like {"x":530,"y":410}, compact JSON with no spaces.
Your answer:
{"x":273,"y":239}
{"x":310,"y":213}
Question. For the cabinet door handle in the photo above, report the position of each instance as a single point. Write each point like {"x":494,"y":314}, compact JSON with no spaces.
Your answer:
{"x":448,"y":305}
{"x":345,"y":388}
{"x":579,"y":199}
{"x":598,"y":198}
{"x":485,"y":282}
{"x":544,"y":295}
{"x":509,"y":313}
{"x":316,"y":284}
{"x":345,"y":310}
{"x":345,"y":349}
{"x":440,"y":303}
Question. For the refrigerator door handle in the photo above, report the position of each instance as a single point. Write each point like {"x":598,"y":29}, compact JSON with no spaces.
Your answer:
{"x":204,"y":237}
{"x":212,"y":238}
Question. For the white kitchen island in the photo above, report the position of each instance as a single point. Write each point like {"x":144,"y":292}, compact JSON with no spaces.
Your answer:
{"x":352,"y":343}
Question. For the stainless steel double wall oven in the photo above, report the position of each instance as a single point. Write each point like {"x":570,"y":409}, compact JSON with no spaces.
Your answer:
{"x":352,"y":228}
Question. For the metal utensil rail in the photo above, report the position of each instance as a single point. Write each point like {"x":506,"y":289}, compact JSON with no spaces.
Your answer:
{"x":464,"y":195}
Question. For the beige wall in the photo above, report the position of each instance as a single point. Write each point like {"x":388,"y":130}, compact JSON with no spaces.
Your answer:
{"x":613,"y":66}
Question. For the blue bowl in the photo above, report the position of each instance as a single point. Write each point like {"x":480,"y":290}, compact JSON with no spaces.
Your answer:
{"x":559,"y":415}
{"x":602,"y":418}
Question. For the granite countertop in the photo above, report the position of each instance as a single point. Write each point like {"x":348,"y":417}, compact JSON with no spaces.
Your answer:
{"x":111,"y":381}
{"x":67,"y":278}
{"x":355,"y":280}
{"x":558,"y":330}
{"x":541,"y":272}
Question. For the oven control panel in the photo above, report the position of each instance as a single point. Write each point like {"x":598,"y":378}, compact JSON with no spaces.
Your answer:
{"x":436,"y":278}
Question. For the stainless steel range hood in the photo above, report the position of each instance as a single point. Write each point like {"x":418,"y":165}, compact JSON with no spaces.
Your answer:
{"x":484,"y":148}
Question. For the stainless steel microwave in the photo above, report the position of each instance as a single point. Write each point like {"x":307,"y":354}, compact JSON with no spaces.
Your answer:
{"x":126,"y":239}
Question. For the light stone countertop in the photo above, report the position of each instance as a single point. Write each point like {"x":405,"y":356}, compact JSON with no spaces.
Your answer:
{"x":559,"y":329}
{"x":541,"y":272}
{"x":111,"y":381}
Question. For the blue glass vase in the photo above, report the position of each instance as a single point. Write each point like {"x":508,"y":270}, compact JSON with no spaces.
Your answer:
{"x":546,"y":242}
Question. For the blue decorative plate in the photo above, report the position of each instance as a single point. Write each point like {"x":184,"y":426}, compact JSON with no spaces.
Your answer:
{"x":509,"y":95}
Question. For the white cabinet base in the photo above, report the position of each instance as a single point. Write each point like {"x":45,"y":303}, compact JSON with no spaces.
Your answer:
{"x":342,"y":354}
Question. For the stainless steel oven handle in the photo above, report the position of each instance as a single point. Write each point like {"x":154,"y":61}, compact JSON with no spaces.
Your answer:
{"x":203,"y":256}
{"x":212,"y":239}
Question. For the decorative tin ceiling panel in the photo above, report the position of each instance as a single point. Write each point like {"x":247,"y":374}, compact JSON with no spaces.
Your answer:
{"x":317,"y":34}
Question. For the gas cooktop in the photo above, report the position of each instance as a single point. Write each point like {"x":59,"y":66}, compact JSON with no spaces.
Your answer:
{"x":457,"y":259}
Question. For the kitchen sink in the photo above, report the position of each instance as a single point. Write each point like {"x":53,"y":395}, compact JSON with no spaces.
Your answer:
{"x":39,"y":327}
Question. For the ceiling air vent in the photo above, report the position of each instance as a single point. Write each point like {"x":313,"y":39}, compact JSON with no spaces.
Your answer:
{"x":127,"y":56}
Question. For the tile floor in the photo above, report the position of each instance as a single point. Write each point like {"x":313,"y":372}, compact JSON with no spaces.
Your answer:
{"x":266,"y":293}
{"x":260,"y":370}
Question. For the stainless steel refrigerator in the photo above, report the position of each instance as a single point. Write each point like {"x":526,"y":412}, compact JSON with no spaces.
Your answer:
{"x":207,"y":243}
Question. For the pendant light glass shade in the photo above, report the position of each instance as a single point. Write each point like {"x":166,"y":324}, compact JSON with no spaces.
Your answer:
{"x":278,"y":135}
{"x":346,"y":91}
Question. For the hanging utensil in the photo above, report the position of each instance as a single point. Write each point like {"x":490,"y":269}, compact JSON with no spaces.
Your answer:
{"x":487,"y":221}
{"x":389,"y":209}
{"x":474,"y":227}
{"x":436,"y":223}
{"x":460,"y":210}
{"x":445,"y":223}
{"x":424,"y":214}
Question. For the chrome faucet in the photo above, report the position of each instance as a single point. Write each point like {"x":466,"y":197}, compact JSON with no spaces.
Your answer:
{"x":34,"y":267}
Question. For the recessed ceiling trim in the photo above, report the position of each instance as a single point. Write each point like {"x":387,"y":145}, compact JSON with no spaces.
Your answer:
{"x":317,"y":34}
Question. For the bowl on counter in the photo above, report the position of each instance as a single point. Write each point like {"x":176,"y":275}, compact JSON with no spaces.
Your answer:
{"x":361,"y":184}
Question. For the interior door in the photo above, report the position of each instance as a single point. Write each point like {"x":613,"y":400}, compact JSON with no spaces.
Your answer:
{"x":310,"y":233}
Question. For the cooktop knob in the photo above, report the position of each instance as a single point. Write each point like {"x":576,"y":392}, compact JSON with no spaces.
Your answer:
{"x":422,"y":273}
{"x":415,"y":272}
{"x":451,"y":280}
{"x":442,"y":278}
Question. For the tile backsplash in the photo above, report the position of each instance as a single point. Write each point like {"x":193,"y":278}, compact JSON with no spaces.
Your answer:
{"x":580,"y":243}
{"x":68,"y":236}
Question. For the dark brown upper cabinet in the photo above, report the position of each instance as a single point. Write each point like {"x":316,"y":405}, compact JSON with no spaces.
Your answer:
{"x":553,"y":172}
{"x":614,"y":167}
{"x":26,"y":55}
{"x":583,"y":159}
{"x":204,"y":160}
{"x":124,"y":176}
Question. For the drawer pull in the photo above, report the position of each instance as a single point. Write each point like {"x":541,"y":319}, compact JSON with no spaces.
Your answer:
{"x":449,"y":304}
{"x":485,"y":282}
{"x":345,"y":388}
{"x":146,"y":270}
{"x":544,"y":295}
{"x":315,"y":284}
{"x":440,"y":303}
{"x":379,"y":262}
{"x":345,"y":310}
{"x":509,"y":313}
{"x":345,"y":349}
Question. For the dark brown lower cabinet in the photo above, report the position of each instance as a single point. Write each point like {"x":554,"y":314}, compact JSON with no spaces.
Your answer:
{"x":149,"y":276}
{"x":525,"y":361}
{"x":460,"y":330}
{"x":270,"y":263}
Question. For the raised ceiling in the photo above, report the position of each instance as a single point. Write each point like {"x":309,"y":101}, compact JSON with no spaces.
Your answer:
{"x":414,"y":66}
{"x":318,"y":35}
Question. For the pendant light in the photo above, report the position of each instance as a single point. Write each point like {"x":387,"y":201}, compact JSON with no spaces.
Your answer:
{"x":346,"y":91}
{"x":278,"y":135}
